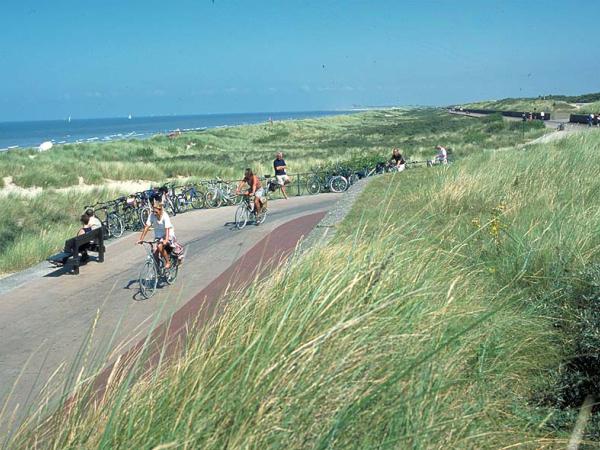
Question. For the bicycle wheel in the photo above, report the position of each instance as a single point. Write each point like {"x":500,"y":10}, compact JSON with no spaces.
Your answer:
{"x":115,"y":225}
{"x":148,"y":279}
{"x":144,"y":214}
{"x":353,"y":179}
{"x":241,"y":216}
{"x":171,"y":275}
{"x":313,"y":185}
{"x":197,"y":201}
{"x":338,"y":184}
{"x":171,"y":208}
{"x":181,"y":204}
{"x":260,"y":218}
{"x":213,"y":199}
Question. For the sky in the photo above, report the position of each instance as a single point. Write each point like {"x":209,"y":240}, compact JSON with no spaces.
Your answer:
{"x":110,"y":58}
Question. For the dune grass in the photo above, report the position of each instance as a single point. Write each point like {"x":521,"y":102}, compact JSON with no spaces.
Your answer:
{"x":590,"y":108}
{"x":223,"y":152}
{"x":438,"y":317}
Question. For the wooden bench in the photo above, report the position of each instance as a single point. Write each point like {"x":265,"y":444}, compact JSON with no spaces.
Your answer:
{"x":92,"y":241}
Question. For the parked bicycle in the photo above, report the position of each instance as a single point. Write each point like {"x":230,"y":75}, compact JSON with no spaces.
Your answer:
{"x":153,"y":271}
{"x":108,"y":214}
{"x":323,"y":182}
{"x":245,"y":211}
{"x":221,"y":193}
{"x":188,"y":198}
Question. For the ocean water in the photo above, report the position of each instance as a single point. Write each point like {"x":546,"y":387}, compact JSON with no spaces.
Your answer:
{"x":32,"y":134}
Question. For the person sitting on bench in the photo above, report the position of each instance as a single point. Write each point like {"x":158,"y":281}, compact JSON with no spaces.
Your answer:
{"x":85,"y":228}
{"x":94,"y":222}
{"x":62,"y":258}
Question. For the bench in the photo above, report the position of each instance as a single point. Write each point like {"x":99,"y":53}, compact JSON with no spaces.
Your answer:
{"x":92,"y":241}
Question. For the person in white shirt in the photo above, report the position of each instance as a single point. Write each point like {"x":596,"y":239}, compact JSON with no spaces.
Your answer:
{"x":94,"y":222}
{"x":442,"y":156}
{"x":164,"y":232}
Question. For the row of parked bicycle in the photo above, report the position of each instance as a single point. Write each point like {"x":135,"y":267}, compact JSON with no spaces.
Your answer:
{"x":131,"y":212}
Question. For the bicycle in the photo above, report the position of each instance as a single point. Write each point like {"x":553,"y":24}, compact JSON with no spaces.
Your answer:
{"x":188,"y":198}
{"x":272,"y":185}
{"x":220,"y":193}
{"x":112,"y":224}
{"x":154,"y":270}
{"x":321,"y":182}
{"x":246,"y":209}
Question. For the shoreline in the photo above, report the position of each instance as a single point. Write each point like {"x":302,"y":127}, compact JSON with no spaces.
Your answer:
{"x":61,"y":132}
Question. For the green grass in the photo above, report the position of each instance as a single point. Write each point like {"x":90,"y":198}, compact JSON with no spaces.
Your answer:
{"x":223,"y":152}
{"x":438,"y":317}
{"x":590,"y":108}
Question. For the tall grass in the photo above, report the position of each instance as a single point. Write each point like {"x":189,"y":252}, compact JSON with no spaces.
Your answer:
{"x":428,"y":322}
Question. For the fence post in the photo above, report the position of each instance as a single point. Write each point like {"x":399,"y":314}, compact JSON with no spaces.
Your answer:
{"x":298,"y":183}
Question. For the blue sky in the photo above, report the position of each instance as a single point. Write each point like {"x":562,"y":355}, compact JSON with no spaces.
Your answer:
{"x":111,"y":58}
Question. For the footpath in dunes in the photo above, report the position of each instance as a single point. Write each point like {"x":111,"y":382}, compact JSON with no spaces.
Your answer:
{"x":46,"y":317}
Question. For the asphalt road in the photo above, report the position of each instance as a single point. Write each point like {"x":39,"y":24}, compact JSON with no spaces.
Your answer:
{"x":56,"y":323}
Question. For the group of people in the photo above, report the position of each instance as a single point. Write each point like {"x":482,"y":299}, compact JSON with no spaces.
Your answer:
{"x":594,"y":119}
{"x":250,"y":185}
{"x":397,"y":162}
{"x":164,"y":231}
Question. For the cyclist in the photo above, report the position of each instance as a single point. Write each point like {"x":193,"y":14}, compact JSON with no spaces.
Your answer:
{"x":255,"y":188}
{"x":164,"y":232}
{"x":281,"y":172}
{"x":397,"y":161}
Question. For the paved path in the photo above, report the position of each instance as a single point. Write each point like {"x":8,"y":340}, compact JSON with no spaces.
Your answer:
{"x":44,"y":323}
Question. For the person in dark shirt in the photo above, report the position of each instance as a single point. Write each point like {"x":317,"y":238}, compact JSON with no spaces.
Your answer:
{"x":397,"y":161}
{"x":281,"y":172}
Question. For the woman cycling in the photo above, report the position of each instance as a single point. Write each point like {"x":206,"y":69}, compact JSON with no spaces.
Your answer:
{"x":164,"y":232}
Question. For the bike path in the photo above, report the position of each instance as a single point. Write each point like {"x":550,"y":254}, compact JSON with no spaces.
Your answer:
{"x":44,"y":323}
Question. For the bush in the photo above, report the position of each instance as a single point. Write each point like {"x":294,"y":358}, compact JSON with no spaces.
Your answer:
{"x":579,"y":376}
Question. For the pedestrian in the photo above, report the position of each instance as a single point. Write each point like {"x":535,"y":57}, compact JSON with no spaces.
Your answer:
{"x":590,"y":119}
{"x":281,"y":172}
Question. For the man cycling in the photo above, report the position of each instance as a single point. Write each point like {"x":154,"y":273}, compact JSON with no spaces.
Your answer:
{"x":255,"y":188}
{"x":164,"y":232}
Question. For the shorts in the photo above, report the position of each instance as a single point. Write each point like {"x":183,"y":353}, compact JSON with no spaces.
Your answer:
{"x":281,"y":179}
{"x":260,"y":193}
{"x":170,"y":244}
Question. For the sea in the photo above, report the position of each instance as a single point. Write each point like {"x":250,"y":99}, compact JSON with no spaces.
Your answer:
{"x":14,"y":135}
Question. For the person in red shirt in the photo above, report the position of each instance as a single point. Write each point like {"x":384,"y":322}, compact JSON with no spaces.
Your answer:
{"x":255,"y":188}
